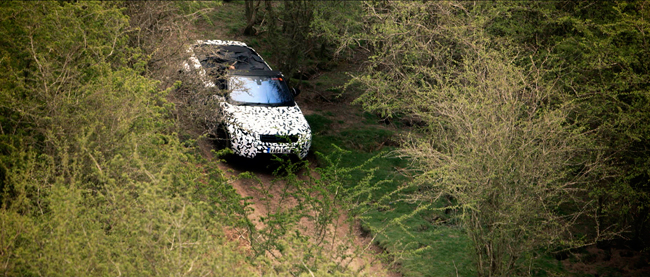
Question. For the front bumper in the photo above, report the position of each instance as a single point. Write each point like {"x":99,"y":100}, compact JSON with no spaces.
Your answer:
{"x":250,"y":145}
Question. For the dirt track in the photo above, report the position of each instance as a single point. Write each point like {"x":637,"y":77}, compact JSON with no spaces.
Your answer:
{"x":267,"y":195}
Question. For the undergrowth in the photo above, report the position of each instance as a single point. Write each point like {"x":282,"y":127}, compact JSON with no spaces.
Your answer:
{"x":422,"y":243}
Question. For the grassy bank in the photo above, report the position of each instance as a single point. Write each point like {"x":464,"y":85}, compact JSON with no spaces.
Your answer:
{"x":423,"y":244}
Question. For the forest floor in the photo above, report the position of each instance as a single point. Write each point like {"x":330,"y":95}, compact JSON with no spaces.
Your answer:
{"x":335,"y":120}
{"x":265,"y":193}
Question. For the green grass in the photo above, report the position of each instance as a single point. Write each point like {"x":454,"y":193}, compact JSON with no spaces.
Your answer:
{"x":369,"y":118}
{"x":231,"y":15}
{"x":429,"y":243}
{"x":318,"y":123}
{"x":428,"y":247}
{"x":330,"y":81}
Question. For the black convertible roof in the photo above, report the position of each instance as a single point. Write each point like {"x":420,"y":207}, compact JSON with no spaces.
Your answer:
{"x":223,"y":56}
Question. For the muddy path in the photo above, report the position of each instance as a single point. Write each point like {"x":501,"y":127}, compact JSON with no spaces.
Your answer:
{"x":341,"y":241}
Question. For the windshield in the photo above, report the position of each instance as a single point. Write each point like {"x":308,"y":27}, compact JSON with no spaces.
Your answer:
{"x":260,"y":90}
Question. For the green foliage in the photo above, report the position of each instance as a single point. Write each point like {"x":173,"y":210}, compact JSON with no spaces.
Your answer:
{"x":302,"y":34}
{"x":318,"y":123}
{"x":499,"y":140}
{"x":533,"y":114}
{"x":162,"y":30}
{"x":302,"y":228}
{"x":228,"y":17}
{"x":598,"y":52}
{"x":427,"y":243}
{"x":95,"y":181}
{"x":571,"y":77}
{"x":336,"y":21}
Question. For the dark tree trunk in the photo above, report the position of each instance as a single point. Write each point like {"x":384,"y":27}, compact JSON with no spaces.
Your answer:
{"x":251,"y":16}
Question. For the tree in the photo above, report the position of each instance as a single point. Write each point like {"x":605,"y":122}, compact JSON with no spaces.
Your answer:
{"x":95,"y":181}
{"x":302,"y":34}
{"x":498,"y":137}
{"x":598,"y":52}
{"x":251,"y":16}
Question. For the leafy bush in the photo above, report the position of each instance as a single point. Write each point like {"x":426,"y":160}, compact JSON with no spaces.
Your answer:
{"x":499,"y":142}
{"x":95,"y":181}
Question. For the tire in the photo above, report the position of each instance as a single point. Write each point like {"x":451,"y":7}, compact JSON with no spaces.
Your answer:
{"x":222,"y":138}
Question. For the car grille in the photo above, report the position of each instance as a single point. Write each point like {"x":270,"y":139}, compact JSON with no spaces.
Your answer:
{"x":278,"y":138}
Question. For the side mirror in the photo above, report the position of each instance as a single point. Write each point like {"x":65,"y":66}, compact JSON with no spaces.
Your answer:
{"x":295,"y":91}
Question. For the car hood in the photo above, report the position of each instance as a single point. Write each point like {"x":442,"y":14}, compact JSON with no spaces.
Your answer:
{"x":267,"y":120}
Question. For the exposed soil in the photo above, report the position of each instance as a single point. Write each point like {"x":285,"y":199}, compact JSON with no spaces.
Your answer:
{"x":327,"y":99}
{"x":608,"y":261}
{"x":267,"y":196}
{"x":365,"y":260}
{"x":593,"y":261}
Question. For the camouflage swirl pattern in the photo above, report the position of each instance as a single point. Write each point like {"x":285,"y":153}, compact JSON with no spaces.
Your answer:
{"x":245,"y":124}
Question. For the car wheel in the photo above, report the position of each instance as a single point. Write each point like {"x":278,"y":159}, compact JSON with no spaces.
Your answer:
{"x":223,"y":138}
